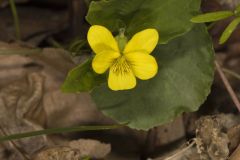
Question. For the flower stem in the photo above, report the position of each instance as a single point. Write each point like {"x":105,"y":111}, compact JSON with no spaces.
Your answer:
{"x":15,"y":18}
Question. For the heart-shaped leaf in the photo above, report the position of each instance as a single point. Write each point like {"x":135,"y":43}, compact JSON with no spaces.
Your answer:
{"x":170,"y":17}
{"x":182,"y":84}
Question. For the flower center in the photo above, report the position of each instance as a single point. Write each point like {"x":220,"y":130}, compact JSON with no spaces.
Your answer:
{"x":120,"y":66}
{"x":121,"y":39}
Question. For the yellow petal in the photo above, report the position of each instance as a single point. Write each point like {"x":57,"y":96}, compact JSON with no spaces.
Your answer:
{"x":144,"y":41}
{"x":101,"y":39}
{"x":144,"y":66}
{"x":121,"y":77}
{"x":102,"y":61}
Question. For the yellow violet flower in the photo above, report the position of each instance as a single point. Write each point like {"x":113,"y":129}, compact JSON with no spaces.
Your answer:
{"x":125,"y":61}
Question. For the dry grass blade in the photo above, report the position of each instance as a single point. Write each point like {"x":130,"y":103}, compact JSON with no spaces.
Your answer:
{"x":228,"y":86}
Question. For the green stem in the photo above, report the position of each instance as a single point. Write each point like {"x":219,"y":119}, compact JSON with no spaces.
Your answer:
{"x":54,"y":43}
{"x":77,"y":44}
{"x":210,"y":26}
{"x":16,"y":19}
{"x":58,"y":130}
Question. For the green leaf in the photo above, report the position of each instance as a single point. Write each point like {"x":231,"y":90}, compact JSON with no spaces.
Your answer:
{"x":182,"y":84}
{"x":170,"y":17}
{"x":229,"y":30}
{"x":211,"y":17}
{"x":237,"y":10}
{"x":82,"y":78}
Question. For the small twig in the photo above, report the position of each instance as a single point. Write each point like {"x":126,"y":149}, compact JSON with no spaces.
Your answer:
{"x":228,"y":86}
{"x":182,"y":151}
{"x":232,"y":73}
{"x":16,"y":19}
{"x":179,"y":153}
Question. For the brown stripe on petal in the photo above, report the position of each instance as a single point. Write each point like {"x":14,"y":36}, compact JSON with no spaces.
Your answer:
{"x":121,"y":66}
